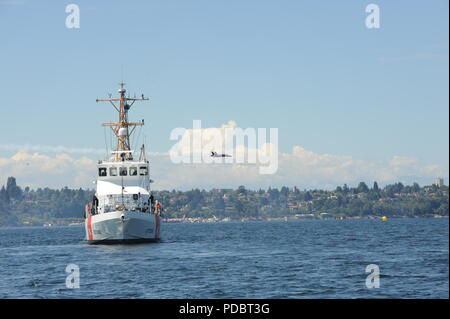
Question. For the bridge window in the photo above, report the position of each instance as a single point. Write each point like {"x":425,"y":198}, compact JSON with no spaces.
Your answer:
{"x":123,"y":171}
{"x":133,"y":171}
{"x":113,"y":171}
{"x":102,"y":171}
{"x":143,"y":170}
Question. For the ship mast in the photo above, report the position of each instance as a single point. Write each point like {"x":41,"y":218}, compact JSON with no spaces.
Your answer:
{"x":121,"y":129}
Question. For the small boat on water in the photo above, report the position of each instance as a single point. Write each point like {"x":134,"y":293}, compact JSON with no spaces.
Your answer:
{"x":123,"y":210}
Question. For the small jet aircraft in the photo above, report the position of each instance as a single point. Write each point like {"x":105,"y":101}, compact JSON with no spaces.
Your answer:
{"x":214,"y":154}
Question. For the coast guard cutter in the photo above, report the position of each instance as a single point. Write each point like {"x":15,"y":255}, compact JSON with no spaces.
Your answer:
{"x":122,"y":209}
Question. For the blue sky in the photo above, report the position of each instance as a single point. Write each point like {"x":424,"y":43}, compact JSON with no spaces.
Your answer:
{"x":309,"y":68}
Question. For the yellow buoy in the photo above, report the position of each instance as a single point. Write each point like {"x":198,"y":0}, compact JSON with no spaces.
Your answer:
{"x":384,"y":218}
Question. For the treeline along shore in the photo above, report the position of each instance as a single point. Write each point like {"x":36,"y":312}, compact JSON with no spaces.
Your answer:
{"x":24,"y":206}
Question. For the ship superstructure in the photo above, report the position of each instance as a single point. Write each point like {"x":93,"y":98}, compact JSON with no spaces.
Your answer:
{"x":123,"y":209}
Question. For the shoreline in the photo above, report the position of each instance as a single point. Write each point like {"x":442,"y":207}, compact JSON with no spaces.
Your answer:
{"x":193,"y":220}
{"x":290,"y":218}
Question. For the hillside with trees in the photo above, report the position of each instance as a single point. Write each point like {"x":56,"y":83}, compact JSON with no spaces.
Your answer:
{"x":34,"y":207}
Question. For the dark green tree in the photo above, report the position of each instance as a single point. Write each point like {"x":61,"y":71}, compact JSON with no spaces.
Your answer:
{"x":375,"y":187}
{"x":14,"y":191}
{"x":362,"y":188}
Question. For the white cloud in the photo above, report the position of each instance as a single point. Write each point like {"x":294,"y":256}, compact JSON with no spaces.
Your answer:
{"x":300,"y":167}
{"x":248,"y":145}
{"x":39,"y":170}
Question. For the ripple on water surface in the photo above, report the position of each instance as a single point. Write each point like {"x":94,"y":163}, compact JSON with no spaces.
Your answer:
{"x":293,"y":259}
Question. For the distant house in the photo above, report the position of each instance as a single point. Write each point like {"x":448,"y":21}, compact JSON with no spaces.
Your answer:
{"x":439,"y":182}
{"x":305,"y":216}
{"x":326,"y":216}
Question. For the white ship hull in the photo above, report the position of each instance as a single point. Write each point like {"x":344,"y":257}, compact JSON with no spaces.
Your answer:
{"x":122,"y":227}
{"x":123,"y":210}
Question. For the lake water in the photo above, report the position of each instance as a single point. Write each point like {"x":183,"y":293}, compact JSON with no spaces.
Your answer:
{"x":282,"y":259}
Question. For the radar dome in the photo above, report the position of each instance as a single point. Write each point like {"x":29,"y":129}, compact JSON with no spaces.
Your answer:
{"x":122,"y":131}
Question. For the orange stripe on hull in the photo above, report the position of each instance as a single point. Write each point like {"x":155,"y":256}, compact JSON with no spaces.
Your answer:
{"x":89,"y":227}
